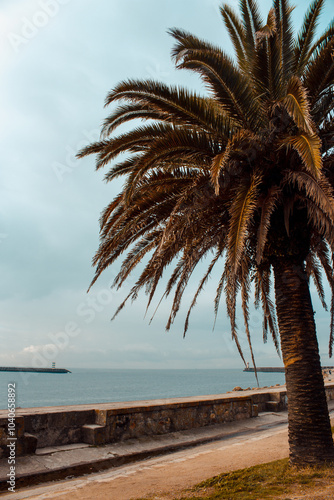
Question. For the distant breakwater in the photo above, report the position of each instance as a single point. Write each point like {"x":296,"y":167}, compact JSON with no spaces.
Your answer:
{"x":268,"y":369}
{"x":35,"y":370}
{"x":276,"y":369}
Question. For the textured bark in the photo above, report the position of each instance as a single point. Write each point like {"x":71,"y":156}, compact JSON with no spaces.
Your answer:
{"x":310,"y":436}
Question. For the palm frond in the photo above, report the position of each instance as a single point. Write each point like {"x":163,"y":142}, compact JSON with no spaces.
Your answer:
{"x":245,"y":289}
{"x":317,"y":278}
{"x":319,"y":221}
{"x":262,"y":289}
{"x":269,"y":68}
{"x":136,"y":140}
{"x":319,"y":74}
{"x":297,"y":105}
{"x":248,"y":28}
{"x":229,"y":86}
{"x":322,"y":41}
{"x":172,"y":104}
{"x":232,"y":286}
{"x":331,"y":334}
{"x":200,"y":288}
{"x":317,"y":190}
{"x":306,"y":36}
{"x":285,"y":36}
{"x":189,"y":144}
{"x":309,"y":149}
{"x":269,"y":30}
{"x":267,"y":208}
{"x":127,"y":112}
{"x":323,"y":111}
{"x":241,"y":211}
{"x":237,"y":34}
{"x":262,"y":62}
{"x":218,"y":164}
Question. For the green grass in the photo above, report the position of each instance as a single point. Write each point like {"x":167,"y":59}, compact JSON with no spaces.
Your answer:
{"x":267,"y":481}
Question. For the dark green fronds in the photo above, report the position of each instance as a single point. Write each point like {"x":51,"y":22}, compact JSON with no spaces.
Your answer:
{"x":323,"y":40}
{"x":319,"y":73}
{"x":256,"y":18}
{"x":306,"y":36}
{"x":249,"y":28}
{"x":285,"y":36}
{"x":128,"y":112}
{"x":237,"y":34}
{"x":174,"y":105}
{"x":229,"y":87}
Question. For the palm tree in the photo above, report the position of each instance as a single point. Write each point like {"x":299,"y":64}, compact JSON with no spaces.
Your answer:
{"x":243,"y":175}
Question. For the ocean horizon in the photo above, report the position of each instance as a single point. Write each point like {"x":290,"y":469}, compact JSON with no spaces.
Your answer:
{"x":89,"y":386}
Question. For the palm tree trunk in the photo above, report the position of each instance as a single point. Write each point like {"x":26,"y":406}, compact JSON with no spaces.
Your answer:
{"x":310,"y":436}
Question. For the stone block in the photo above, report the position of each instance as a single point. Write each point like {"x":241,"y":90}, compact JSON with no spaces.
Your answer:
{"x":29,"y":444}
{"x":276,"y":396}
{"x":255,"y":410}
{"x":25,"y":445}
{"x":94,"y":434}
{"x":101,"y":417}
{"x":273,"y":406}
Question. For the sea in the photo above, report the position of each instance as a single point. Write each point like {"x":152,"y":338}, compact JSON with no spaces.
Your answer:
{"x":86,"y":386}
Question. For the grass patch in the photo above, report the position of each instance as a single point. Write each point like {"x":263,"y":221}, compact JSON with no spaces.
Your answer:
{"x":268,"y":481}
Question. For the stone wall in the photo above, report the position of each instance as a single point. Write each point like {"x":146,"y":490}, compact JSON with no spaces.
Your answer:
{"x":125,"y":423}
{"x":107,"y":423}
{"x":112,"y":422}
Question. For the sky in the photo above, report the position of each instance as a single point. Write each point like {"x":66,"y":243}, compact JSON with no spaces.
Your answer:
{"x":59,"y":58}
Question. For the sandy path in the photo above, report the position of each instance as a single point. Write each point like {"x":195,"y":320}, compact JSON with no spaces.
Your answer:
{"x":164,"y":477}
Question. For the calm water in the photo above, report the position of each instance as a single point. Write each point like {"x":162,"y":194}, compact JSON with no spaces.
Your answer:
{"x":103,"y":386}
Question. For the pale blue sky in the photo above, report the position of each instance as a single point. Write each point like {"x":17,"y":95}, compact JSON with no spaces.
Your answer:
{"x":59,"y":60}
